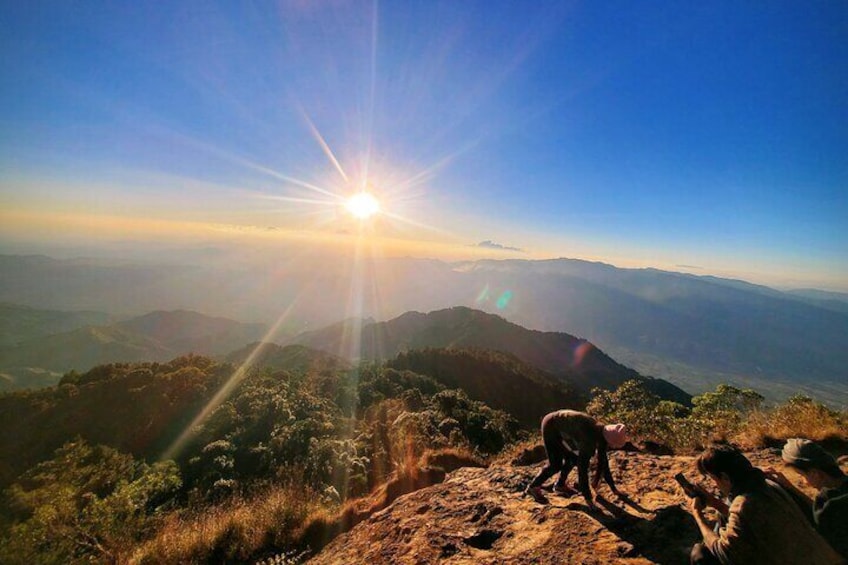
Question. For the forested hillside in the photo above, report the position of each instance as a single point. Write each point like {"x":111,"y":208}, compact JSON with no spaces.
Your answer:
{"x":499,"y":379}
{"x":197,"y":460}
{"x":291,"y":357}
{"x":158,"y":401}
{"x":577,"y":362}
{"x":336,"y":430}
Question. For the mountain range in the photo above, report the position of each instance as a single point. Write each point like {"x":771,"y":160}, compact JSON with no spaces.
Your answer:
{"x":573,"y":360}
{"x":694,"y":331}
{"x":19,"y":324}
{"x":156,"y":336}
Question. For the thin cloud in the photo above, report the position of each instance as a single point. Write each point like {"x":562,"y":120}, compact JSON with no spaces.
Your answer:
{"x":489,"y":244}
{"x":689,"y":266}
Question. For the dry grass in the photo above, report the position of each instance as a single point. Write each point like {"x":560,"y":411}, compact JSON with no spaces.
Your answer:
{"x":451,"y":458}
{"x":239,"y":530}
{"x":527,"y":452}
{"x":809,"y":420}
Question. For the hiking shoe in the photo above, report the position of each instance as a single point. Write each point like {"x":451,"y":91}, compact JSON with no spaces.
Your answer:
{"x":564,"y":490}
{"x":536,"y":493}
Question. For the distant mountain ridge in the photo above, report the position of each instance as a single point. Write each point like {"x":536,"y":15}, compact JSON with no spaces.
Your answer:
{"x":157,"y":336}
{"x":575,"y":361}
{"x":836,"y":301}
{"x":695,"y":331}
{"x":703,"y":324}
{"x":22,"y":323}
{"x":185,"y":331}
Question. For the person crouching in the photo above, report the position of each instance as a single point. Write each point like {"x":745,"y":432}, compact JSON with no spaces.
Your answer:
{"x":572,"y":438}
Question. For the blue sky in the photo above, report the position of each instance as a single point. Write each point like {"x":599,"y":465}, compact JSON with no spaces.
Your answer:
{"x":711,"y":135}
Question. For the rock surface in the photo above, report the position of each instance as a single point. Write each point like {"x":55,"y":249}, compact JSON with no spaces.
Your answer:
{"x":481,"y":516}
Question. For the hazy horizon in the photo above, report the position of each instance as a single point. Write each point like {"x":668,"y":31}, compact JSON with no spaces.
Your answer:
{"x":707,"y":140}
{"x":692,"y":331}
{"x":333,"y":248}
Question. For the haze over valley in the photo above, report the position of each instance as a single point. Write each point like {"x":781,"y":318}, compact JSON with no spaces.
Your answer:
{"x":693,"y":331}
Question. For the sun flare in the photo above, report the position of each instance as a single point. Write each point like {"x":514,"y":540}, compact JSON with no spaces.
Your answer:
{"x":362,"y":205}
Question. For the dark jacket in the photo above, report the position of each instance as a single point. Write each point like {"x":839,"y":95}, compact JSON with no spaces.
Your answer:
{"x":830,"y":514}
{"x":577,"y":436}
{"x":578,"y":431}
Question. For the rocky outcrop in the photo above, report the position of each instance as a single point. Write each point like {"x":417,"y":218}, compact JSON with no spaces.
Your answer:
{"x":480,"y":515}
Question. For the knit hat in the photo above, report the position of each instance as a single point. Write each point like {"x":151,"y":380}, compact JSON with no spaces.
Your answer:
{"x":805,"y":454}
{"x":616,"y":435}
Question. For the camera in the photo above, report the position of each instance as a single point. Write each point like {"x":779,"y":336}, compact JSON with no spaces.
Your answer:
{"x":691,"y":490}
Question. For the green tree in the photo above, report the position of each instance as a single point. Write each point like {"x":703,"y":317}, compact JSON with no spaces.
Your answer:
{"x":641,"y":410}
{"x":88,"y":502}
{"x":722,"y":412}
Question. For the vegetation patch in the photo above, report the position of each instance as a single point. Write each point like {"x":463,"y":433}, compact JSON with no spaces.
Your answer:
{"x":290,"y":458}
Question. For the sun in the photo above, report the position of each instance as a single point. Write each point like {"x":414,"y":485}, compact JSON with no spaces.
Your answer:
{"x":362,"y":205}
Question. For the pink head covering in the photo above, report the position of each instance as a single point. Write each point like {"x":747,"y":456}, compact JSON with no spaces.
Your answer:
{"x":616,"y":435}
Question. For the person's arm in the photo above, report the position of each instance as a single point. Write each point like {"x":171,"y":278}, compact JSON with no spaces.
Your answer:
{"x":736,"y":540}
{"x":599,"y":467}
{"x":784,"y":482}
{"x":713,"y":501}
{"x":603,"y":468}
{"x":583,"y":476}
{"x":696,"y":508}
{"x":830,"y":523}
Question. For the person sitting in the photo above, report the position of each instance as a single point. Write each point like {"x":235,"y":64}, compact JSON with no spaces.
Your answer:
{"x":572,"y":438}
{"x":762,"y":524}
{"x":829,"y":509}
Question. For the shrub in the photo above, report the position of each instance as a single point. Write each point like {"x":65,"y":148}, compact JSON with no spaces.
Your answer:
{"x":728,"y":413}
{"x":337,"y":463}
{"x":88,"y":502}
{"x":644,"y":413}
{"x":800,"y":416}
{"x":722,"y":413}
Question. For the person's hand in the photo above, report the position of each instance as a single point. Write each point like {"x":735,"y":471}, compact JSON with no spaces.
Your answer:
{"x":778,"y":477}
{"x":696,"y":505}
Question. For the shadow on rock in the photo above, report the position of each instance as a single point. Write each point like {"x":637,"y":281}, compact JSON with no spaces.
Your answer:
{"x":665,"y":538}
{"x":631,"y":503}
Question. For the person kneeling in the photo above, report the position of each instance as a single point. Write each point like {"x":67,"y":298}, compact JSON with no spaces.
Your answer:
{"x":762,"y":523}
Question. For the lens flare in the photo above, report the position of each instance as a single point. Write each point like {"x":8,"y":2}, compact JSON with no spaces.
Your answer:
{"x":581,"y":351}
{"x":503,"y":299}
{"x":484,"y":294}
{"x":362,"y":205}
